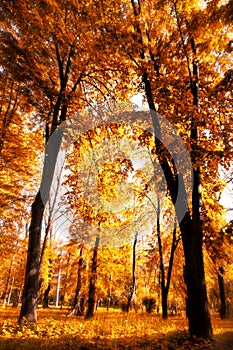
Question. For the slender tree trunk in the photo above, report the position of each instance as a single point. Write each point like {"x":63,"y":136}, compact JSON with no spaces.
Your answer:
{"x":133,"y":290}
{"x":165,"y":284}
{"x":92,"y":285}
{"x":45,"y":302}
{"x":4,"y":295}
{"x":223,"y":305}
{"x":10,"y":291}
{"x":162,"y":270}
{"x":77,"y":310}
{"x":109,"y":293}
{"x":58,"y":286}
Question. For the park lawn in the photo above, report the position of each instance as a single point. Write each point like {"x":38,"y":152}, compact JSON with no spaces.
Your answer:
{"x":107,"y":330}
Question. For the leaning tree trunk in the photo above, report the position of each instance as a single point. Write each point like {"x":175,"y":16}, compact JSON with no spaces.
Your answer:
{"x":92,"y":285}
{"x":223,"y":305}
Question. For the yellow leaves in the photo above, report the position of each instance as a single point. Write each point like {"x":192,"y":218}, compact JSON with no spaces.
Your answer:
{"x":111,"y":175}
{"x":108,"y":330}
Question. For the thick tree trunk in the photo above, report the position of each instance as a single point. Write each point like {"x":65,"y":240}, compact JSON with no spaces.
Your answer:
{"x":223,"y":304}
{"x":197,"y":303}
{"x":92,"y":285}
{"x":164,"y":303}
{"x":31,"y":282}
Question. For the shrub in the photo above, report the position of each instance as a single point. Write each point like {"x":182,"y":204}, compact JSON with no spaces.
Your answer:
{"x":149,"y":303}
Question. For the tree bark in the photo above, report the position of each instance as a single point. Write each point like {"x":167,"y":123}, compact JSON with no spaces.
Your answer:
{"x":92,"y":284}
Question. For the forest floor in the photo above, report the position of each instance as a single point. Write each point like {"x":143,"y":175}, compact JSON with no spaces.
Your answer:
{"x":107,"y":330}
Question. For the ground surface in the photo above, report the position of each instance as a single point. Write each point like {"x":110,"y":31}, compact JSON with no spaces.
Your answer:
{"x":108,"y":330}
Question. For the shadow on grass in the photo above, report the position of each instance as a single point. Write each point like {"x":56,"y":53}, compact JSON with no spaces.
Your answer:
{"x":170,"y":341}
{"x":224,"y":341}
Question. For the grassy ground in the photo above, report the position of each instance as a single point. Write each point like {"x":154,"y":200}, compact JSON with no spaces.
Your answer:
{"x":108,"y":330}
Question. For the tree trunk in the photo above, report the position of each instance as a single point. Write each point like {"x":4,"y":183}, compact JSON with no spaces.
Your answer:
{"x":197,"y":304}
{"x":164,"y":303}
{"x":45,"y":302}
{"x":92,"y":285}
{"x":223,"y":307}
{"x":32,"y":275}
{"x":58,"y":286}
{"x":133,"y":289}
{"x":165,"y":285}
{"x":109,"y":293}
{"x":6,"y":289}
{"x":31,"y":282}
{"x":78,"y":310}
{"x":198,"y":313}
{"x":162,"y":270}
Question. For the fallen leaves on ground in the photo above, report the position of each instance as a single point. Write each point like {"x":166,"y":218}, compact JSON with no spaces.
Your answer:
{"x":107,"y":330}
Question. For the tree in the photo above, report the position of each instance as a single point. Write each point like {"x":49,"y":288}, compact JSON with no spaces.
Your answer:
{"x":167,"y":59}
{"x":67,"y":43}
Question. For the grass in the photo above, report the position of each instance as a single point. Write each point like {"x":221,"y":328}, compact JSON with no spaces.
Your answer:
{"x":107,"y":330}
